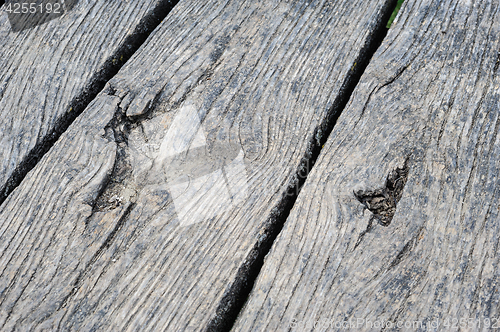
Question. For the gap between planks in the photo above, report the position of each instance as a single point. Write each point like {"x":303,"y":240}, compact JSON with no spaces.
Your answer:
{"x":236,"y":296}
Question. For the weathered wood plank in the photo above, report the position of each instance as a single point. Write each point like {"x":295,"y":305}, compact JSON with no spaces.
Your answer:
{"x":49,"y":73}
{"x":201,"y":135}
{"x":426,"y":113}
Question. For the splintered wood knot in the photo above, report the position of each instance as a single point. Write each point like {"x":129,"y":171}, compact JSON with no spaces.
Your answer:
{"x":382,"y":201}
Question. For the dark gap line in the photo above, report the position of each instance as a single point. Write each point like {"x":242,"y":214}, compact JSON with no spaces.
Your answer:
{"x":238,"y":292}
{"x":110,"y":68}
{"x":105,"y":245}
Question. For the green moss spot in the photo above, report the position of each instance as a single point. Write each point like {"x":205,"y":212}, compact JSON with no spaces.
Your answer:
{"x":394,"y":13}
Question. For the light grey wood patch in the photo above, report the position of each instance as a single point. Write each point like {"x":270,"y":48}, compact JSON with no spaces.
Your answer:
{"x":213,"y":117}
{"x":430,"y":97}
{"x":47,"y":72}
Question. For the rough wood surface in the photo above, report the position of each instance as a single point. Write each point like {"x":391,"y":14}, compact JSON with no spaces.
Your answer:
{"x":142,"y":214}
{"x":48,"y":72}
{"x":398,"y":222}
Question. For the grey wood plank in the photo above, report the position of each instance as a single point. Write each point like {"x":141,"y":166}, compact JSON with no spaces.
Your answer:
{"x":49,"y":72}
{"x":141,"y":216}
{"x":360,"y":246}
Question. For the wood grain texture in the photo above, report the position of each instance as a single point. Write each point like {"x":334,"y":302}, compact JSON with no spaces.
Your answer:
{"x":200,"y":134}
{"x":426,"y":112}
{"x":48,"y":71}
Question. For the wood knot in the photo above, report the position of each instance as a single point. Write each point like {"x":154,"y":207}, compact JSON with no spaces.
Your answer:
{"x":382,"y":201}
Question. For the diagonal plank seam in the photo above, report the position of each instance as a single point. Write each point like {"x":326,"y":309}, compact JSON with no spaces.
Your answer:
{"x":89,"y":93}
{"x":237,"y":293}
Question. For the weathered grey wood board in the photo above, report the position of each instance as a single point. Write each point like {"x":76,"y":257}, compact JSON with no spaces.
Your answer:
{"x":142,"y":213}
{"x":426,"y":111}
{"x":48,"y":71}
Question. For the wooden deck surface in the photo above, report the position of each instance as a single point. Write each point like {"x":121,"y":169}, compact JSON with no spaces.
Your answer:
{"x":428,"y":103}
{"x":49,"y":72}
{"x":238,"y":129}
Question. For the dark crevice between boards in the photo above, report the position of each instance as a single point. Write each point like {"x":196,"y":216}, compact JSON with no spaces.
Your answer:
{"x":237,"y":293}
{"x":111,"y":66}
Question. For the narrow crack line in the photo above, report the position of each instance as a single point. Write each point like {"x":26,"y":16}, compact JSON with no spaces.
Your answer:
{"x":90,"y":92}
{"x":239,"y":290}
{"x":106,"y":244}
{"x":404,"y":252}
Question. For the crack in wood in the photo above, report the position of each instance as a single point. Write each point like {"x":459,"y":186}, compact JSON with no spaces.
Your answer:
{"x":107,"y":243}
{"x":118,"y":189}
{"x":497,"y":63}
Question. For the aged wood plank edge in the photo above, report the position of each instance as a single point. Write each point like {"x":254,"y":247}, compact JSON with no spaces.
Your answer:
{"x":236,"y":295}
{"x":79,"y":103}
